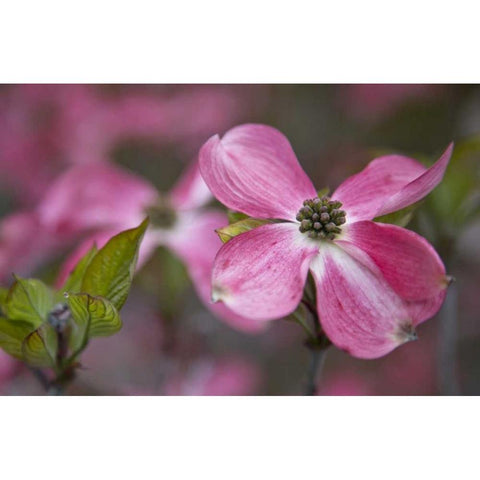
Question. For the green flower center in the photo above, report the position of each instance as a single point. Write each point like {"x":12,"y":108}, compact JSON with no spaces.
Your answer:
{"x":162,"y":215}
{"x":321,"y":218}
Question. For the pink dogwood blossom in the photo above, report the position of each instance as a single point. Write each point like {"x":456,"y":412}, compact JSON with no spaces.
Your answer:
{"x":375,"y":282}
{"x":101,"y":200}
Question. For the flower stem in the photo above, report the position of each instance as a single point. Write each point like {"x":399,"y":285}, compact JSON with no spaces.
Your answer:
{"x":41,"y":377}
{"x":447,"y":377}
{"x":301,"y":321}
{"x":447,"y":350}
{"x":317,"y":360}
{"x":318,"y":343}
{"x":55,"y":386}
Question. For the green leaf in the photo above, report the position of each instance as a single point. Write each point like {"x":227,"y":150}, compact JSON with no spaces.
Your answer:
{"x":29,"y":301}
{"x":40,"y":347}
{"x":234,"y":217}
{"x":456,"y":197}
{"x":104,"y":318}
{"x":96,"y":315}
{"x":80,"y":322}
{"x":3,"y":299}
{"x":75,"y":279}
{"x":401,"y":217}
{"x":3,"y":295}
{"x":110,"y":272}
{"x":231,"y":231}
{"x":12,"y":334}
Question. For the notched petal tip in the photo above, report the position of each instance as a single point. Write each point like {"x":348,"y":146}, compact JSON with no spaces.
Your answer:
{"x":405,"y":333}
{"x":448,"y":280}
{"x":218,"y":294}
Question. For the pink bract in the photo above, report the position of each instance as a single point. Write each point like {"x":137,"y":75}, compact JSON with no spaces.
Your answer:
{"x":375,"y":282}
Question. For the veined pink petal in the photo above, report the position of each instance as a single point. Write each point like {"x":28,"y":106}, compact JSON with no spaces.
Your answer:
{"x":406,"y":260}
{"x":191,"y":191}
{"x":254,"y":170}
{"x":420,"y":187}
{"x":195,"y":242}
{"x":388,"y":184}
{"x":421,"y":310}
{"x":261,"y":273}
{"x":202,"y":281}
{"x":358,"y":310}
{"x":96,"y":196}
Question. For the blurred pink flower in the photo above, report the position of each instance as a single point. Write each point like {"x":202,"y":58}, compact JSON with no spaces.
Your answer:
{"x":7,"y":369}
{"x":375,"y":101}
{"x":407,"y":371}
{"x":103,"y":199}
{"x":220,"y":377}
{"x":45,"y":128}
{"x":375,"y":282}
{"x":24,"y":243}
{"x":343,"y":385}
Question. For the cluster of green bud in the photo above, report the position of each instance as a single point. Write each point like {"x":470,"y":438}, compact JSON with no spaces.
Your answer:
{"x":59,"y":317}
{"x":321,"y":218}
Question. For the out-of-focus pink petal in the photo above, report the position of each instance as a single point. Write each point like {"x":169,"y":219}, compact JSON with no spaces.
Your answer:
{"x":254,"y":170}
{"x":24,"y":243}
{"x":387,"y":184}
{"x":261,"y":273}
{"x":358,"y":310}
{"x":94,"y":124}
{"x":44,"y":128}
{"x":195,"y":242}
{"x":406,"y":260}
{"x":221,"y":377}
{"x":345,"y":385}
{"x":147,"y":247}
{"x":7,"y":369}
{"x":191,"y":191}
{"x":375,"y":101}
{"x":96,"y":196}
{"x":29,"y":141}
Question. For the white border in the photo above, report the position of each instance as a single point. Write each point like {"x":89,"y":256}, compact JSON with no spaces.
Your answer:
{"x":239,"y":438}
{"x":247,"y":42}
